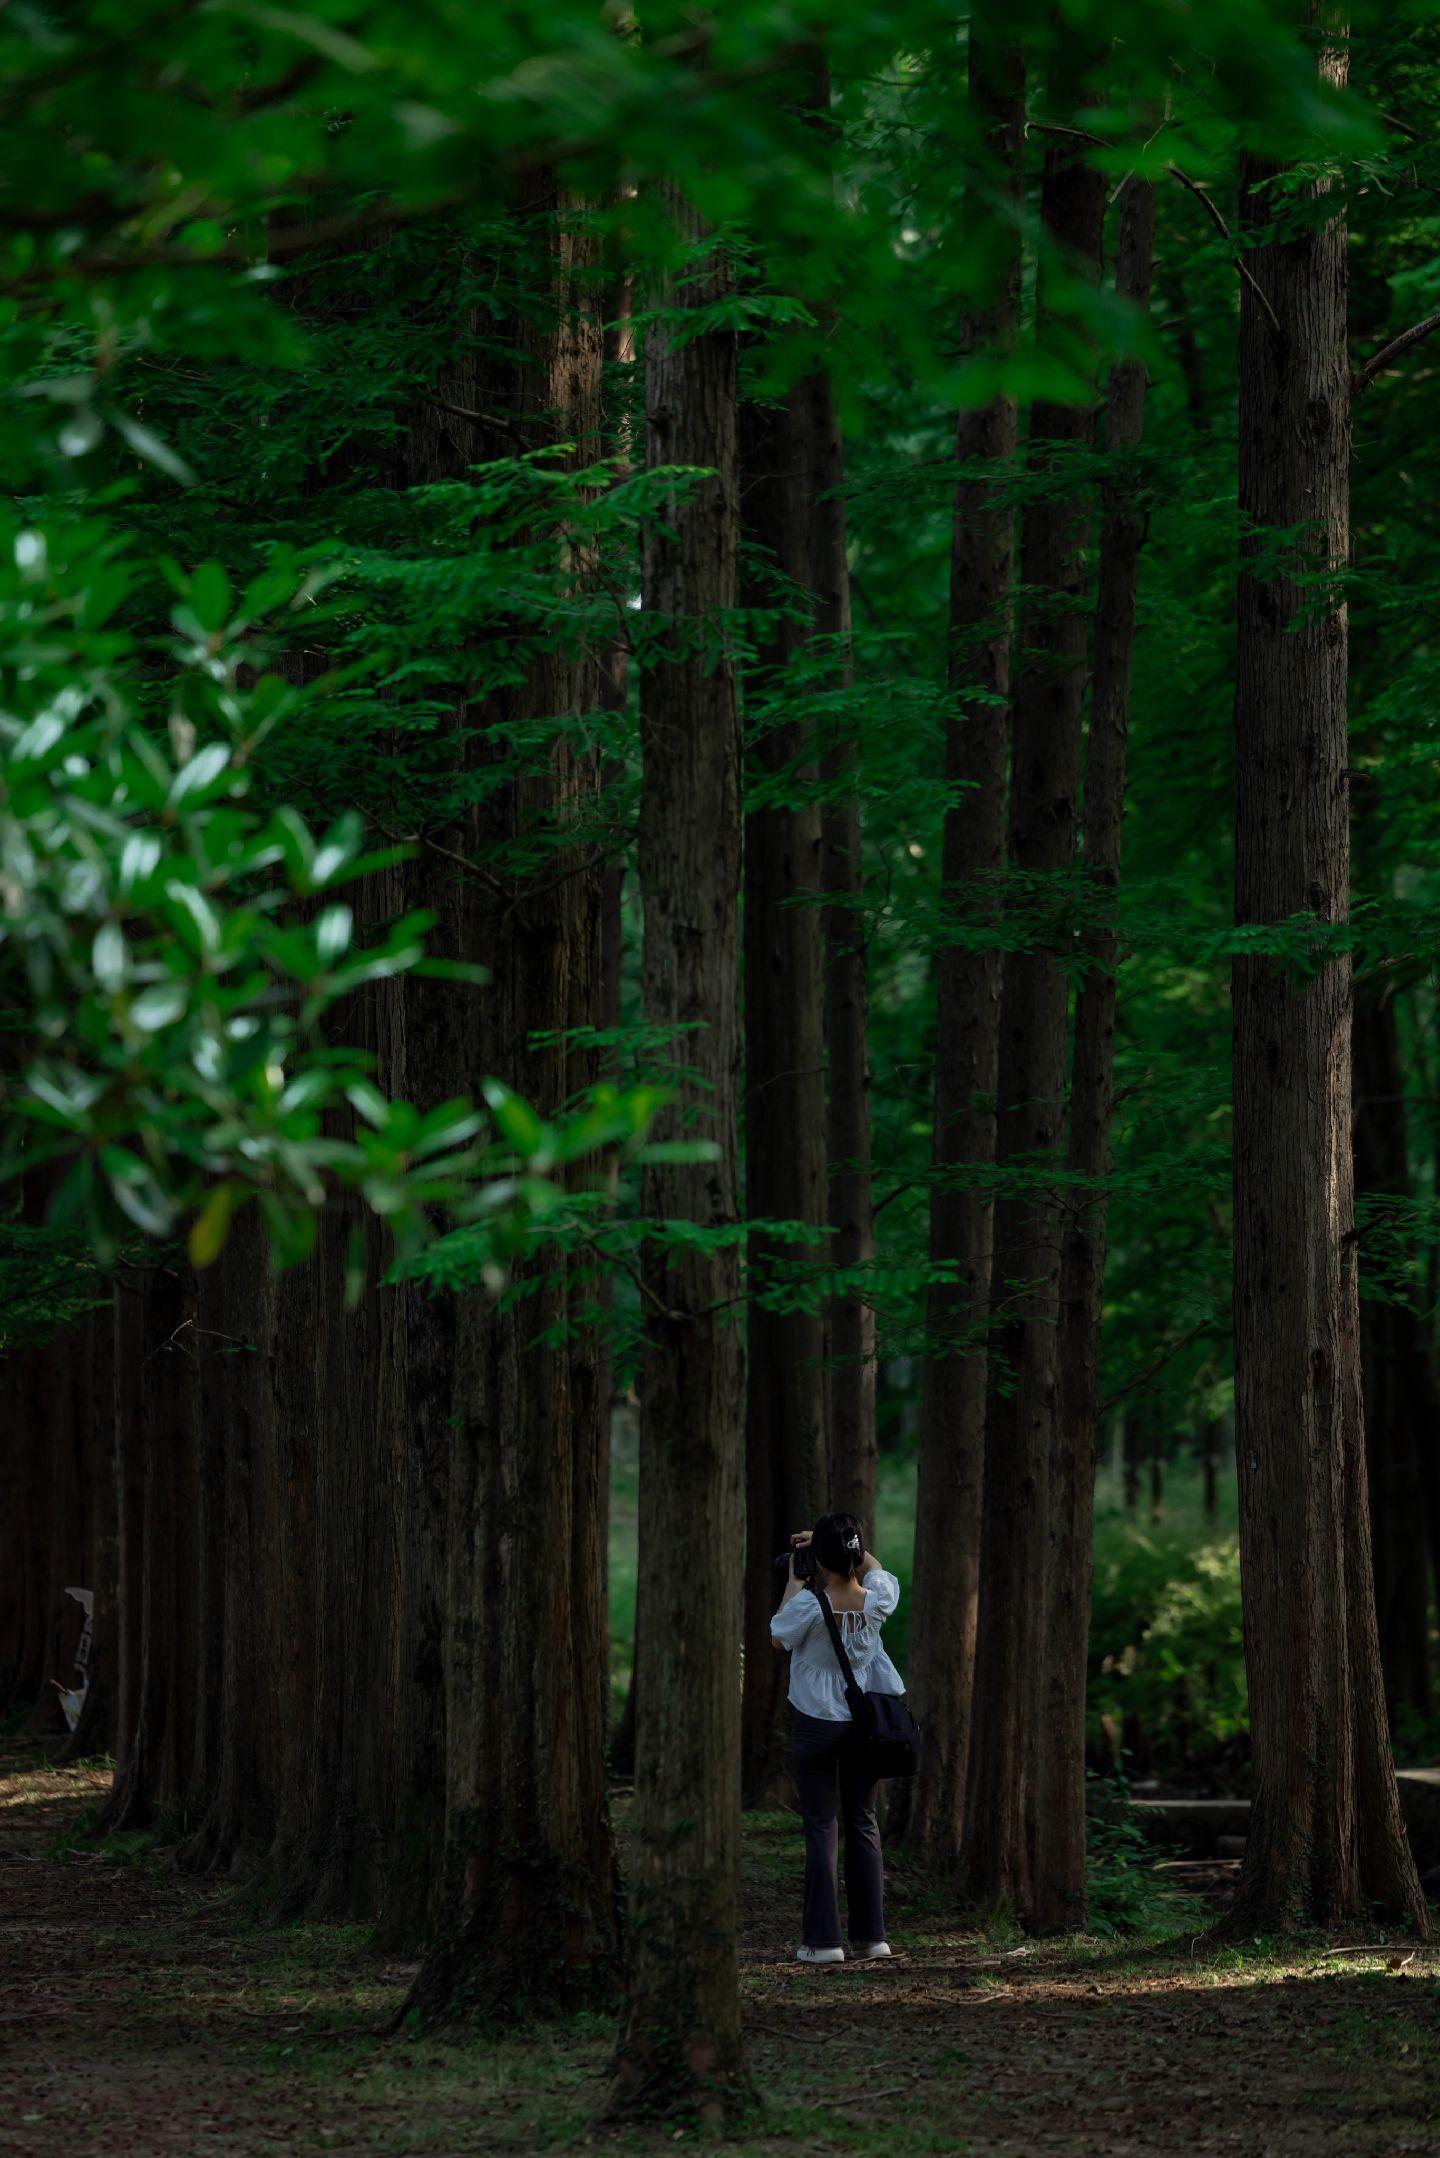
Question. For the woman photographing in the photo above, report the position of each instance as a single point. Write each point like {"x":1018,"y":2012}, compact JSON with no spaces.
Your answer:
{"x":831,"y":1558}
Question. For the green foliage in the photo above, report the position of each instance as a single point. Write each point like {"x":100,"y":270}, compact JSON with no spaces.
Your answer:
{"x":1166,"y":1662}
{"x":1123,"y":1892}
{"x":166,"y":991}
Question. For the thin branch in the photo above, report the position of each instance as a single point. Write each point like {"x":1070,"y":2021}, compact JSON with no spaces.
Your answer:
{"x":1054,"y":127}
{"x":1240,"y":263}
{"x":1361,"y":380}
{"x":496,"y":420}
{"x":897,"y":1191}
{"x":628,"y":1266}
{"x":1167,"y":1355}
{"x":448,"y":854}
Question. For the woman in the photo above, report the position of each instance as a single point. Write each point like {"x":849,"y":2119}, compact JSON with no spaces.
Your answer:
{"x":862,"y":1596}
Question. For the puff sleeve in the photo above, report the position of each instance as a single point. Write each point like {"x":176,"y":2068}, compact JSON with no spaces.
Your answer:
{"x":794,"y":1620}
{"x":882,"y":1593}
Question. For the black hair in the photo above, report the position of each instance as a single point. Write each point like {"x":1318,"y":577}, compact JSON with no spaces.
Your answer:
{"x":838,"y":1542}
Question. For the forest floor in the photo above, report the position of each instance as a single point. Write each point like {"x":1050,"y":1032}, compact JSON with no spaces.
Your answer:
{"x":145,"y":2011}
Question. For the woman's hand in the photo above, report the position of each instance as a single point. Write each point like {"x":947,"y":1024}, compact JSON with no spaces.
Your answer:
{"x":798,"y":1542}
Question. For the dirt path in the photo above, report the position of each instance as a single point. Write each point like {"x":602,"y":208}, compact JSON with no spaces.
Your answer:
{"x":141,"y":2011}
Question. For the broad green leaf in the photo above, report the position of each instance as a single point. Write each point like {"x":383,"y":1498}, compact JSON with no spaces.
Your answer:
{"x":194,"y":911}
{"x":211,"y":596}
{"x":205,"y":773}
{"x":514,"y":1118}
{"x":109,"y":959}
{"x":159,"y":1006}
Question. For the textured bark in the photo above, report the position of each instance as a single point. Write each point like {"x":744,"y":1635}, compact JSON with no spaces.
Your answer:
{"x":257,"y":1557}
{"x":1060,"y":1811}
{"x":850,"y":1317}
{"x":160,"y":1445}
{"x":951,"y":1463}
{"x":426,"y":1325}
{"x":786,"y":1469}
{"x":1003,"y":1797}
{"x":57,"y":1529}
{"x":341,"y":1425}
{"x":681,"y":2046}
{"x":59,"y":1559}
{"x":14,"y":1521}
{"x":1402,"y":1405}
{"x":94,"y":1733}
{"x":28,"y":1510}
{"x":1326,"y":1838}
{"x":527,"y":1919}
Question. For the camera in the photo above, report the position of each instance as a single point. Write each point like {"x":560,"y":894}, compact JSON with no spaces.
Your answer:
{"x":804,"y":1561}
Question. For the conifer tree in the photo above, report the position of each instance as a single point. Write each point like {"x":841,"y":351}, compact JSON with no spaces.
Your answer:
{"x":681,"y":2046}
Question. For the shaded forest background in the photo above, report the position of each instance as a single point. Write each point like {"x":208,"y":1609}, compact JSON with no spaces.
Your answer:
{"x":608,"y":559}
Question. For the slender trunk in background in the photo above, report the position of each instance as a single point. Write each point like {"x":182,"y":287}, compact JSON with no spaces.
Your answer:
{"x":785,"y":1456}
{"x":1402,"y":1405}
{"x":66,"y":1407}
{"x":57,"y":1512}
{"x":681,"y":2047}
{"x":94,"y":1732}
{"x":1173,"y":307}
{"x":162,"y":1458}
{"x":19,"y":1527}
{"x":1010,"y":1694}
{"x":1061,"y":1809}
{"x":238,"y":1409}
{"x":951,"y":1463}
{"x":1133,"y":1443}
{"x":850,"y":1316}
{"x":527,"y":1917}
{"x":613,"y":696}
{"x":1326,"y":1839}
{"x":1210,"y":1466}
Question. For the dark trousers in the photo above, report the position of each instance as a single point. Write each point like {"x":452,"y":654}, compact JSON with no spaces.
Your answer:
{"x":823,"y":1754}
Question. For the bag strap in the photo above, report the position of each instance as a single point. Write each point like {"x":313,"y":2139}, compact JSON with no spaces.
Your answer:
{"x":853,"y":1694}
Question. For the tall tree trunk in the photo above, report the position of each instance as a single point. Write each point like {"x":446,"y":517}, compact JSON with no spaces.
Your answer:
{"x":1326,"y":1837}
{"x":1061,"y":1808}
{"x":62,"y":1408}
{"x":94,"y":1732}
{"x":161,"y":1445}
{"x":951,"y":1464}
{"x":527,"y":1919}
{"x":28,"y":1505}
{"x":1402,"y":1408}
{"x":265,"y":1565}
{"x":681,"y":2046}
{"x":786,"y":1469}
{"x":850,"y":1316}
{"x":349,"y":1414}
{"x":1004,"y":1798}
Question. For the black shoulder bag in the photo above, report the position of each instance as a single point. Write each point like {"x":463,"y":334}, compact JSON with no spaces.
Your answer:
{"x":885,"y":1730}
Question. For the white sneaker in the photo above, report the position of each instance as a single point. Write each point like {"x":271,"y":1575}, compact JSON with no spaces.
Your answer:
{"x":822,"y":1955}
{"x":870,"y":1951}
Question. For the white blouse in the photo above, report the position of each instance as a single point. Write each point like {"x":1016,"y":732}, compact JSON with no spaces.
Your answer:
{"x":817,"y":1687}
